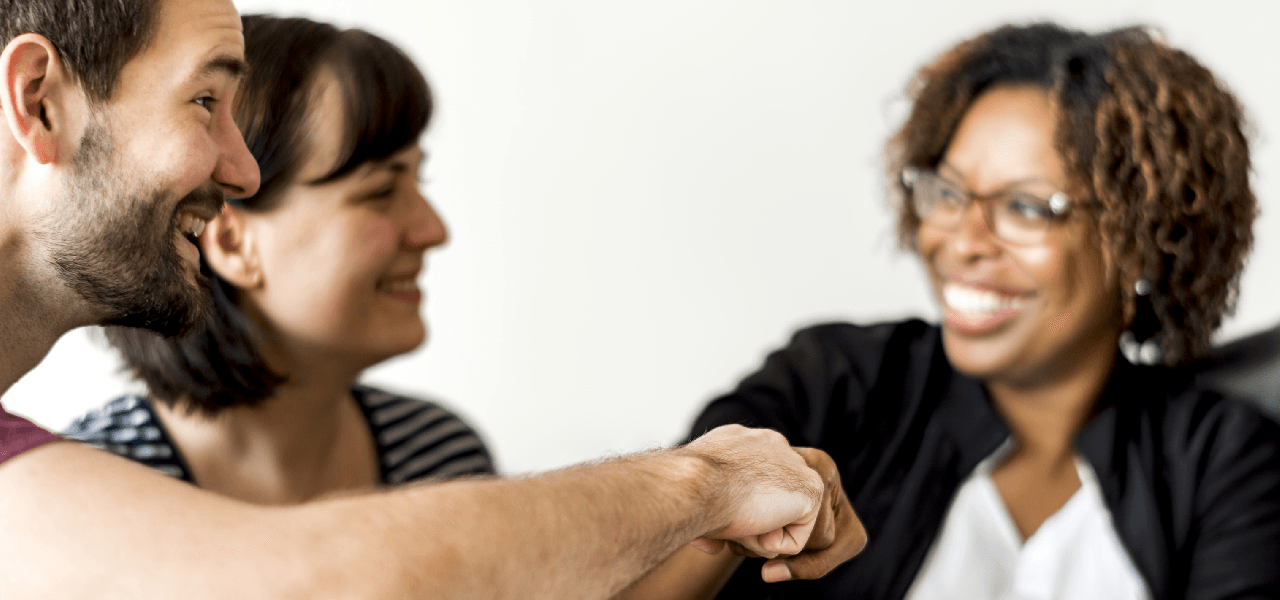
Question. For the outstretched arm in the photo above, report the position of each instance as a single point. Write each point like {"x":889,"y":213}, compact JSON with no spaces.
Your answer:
{"x":78,"y":522}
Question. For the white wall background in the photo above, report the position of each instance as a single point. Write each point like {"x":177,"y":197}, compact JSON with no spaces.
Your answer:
{"x":647,"y":196}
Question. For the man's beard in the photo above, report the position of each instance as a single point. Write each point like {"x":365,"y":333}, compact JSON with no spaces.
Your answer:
{"x":117,"y":247}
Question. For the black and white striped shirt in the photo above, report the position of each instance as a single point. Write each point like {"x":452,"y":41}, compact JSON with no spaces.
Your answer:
{"x":416,"y":439}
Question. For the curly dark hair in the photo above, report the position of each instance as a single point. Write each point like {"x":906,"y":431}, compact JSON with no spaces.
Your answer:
{"x":1146,"y":133}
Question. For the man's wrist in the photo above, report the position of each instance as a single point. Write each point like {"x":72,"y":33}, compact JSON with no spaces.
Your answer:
{"x":704,"y":478}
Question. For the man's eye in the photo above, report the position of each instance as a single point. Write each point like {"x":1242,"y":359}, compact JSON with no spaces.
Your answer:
{"x":383,"y":193}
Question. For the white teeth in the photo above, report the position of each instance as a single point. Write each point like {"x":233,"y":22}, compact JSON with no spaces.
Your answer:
{"x":189,"y":223}
{"x":962,"y":298}
{"x":399,"y":286}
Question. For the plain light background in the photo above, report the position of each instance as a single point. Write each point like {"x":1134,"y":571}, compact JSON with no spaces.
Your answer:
{"x":646,"y":197}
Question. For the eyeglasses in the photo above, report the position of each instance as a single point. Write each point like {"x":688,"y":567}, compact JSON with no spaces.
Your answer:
{"x":1015,"y":217}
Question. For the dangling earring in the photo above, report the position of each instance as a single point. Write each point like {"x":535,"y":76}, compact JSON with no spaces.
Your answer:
{"x":1140,"y":343}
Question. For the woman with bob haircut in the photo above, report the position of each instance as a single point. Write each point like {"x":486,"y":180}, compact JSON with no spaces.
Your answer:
{"x":314,"y":279}
{"x":1081,"y":206}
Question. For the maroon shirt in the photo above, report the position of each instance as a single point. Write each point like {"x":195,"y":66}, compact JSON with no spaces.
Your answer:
{"x":17,"y":435}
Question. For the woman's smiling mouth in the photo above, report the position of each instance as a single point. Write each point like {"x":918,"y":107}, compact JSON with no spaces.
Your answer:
{"x":402,"y":288}
{"x":976,"y":310}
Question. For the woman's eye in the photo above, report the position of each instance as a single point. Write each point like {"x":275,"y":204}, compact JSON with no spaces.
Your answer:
{"x":1029,"y":208}
{"x":205,"y":102}
{"x":383,"y":193}
{"x":950,"y":195}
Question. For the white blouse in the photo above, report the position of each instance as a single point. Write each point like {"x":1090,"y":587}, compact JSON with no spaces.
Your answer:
{"x":980,"y":555}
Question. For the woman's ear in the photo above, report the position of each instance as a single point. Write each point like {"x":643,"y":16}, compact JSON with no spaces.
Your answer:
{"x":230,"y":248}
{"x":38,"y":96}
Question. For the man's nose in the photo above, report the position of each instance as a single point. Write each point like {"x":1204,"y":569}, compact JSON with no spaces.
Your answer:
{"x":236,"y":171}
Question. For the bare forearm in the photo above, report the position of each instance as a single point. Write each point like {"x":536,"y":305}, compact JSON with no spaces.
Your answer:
{"x":589,"y":531}
{"x":584,"y":532}
{"x":119,"y":530}
{"x":77,"y":522}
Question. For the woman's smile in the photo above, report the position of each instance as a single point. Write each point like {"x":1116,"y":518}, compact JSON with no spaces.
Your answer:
{"x":975,"y":309}
{"x":403,"y":288}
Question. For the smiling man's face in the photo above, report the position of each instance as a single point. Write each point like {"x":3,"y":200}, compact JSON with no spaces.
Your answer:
{"x":153,"y":165}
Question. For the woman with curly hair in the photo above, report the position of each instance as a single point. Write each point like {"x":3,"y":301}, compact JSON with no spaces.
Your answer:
{"x":1081,"y":206}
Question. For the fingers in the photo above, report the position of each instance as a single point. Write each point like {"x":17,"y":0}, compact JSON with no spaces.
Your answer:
{"x":792,"y":538}
{"x":787,"y":540}
{"x":776,"y":570}
{"x":824,"y":530}
{"x":836,"y":533}
{"x":792,"y":505}
{"x":774,"y":498}
{"x":817,"y":564}
{"x":851,"y":538}
{"x":752,"y":544}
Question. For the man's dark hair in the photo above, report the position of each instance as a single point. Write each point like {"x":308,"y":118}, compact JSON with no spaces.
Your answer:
{"x":387,"y":106}
{"x":94,"y":38}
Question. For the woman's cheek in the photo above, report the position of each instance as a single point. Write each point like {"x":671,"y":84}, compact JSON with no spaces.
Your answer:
{"x":1040,"y":264}
{"x":928,"y":243}
{"x":376,"y":240}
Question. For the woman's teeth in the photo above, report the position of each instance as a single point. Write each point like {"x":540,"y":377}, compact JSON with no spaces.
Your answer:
{"x":190,"y":224}
{"x":974,"y":301}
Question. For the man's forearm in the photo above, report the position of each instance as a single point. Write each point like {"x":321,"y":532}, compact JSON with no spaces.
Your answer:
{"x":78,"y":522}
{"x":591,"y":530}
{"x":582,"y":532}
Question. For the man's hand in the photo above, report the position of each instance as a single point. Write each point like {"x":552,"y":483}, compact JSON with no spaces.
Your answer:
{"x":769,"y":499}
{"x":837,"y":534}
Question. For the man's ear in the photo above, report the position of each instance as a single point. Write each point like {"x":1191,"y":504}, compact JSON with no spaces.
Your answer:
{"x":229,"y":247}
{"x":35,"y":95}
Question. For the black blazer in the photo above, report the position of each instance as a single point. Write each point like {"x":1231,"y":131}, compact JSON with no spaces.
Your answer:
{"x":1192,"y":479}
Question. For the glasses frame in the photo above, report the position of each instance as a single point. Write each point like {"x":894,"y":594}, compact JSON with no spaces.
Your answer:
{"x":1059,"y":205}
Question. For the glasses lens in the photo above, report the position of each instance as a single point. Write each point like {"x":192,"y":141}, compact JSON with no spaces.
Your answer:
{"x":1020,"y":218}
{"x":938,"y":202}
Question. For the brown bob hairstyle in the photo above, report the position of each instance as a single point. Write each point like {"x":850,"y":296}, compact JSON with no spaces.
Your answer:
{"x":1145,"y":131}
{"x":387,"y":107}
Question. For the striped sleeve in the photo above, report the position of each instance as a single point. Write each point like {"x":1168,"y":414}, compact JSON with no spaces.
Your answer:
{"x":127,"y":427}
{"x":419,"y":439}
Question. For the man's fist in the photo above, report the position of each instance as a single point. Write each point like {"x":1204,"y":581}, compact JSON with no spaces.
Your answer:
{"x":769,"y":499}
